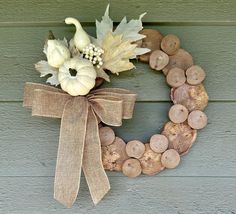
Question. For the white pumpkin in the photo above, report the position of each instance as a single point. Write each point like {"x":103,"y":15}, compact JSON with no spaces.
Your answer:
{"x":84,"y":79}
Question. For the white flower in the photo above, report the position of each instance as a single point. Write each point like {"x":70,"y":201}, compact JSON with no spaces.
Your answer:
{"x":57,"y":52}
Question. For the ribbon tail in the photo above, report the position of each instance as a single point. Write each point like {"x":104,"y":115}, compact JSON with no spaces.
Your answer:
{"x":94,"y":172}
{"x":70,"y":151}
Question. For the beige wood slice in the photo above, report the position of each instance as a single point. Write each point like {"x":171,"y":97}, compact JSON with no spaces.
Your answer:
{"x":158,"y":60}
{"x":170,"y":159}
{"x":178,"y":113}
{"x":151,"y":161}
{"x":170,"y":44}
{"x":176,"y":77}
{"x":195,"y":75}
{"x":181,"y":136}
{"x":192,"y":97}
{"x":135,"y":149}
{"x":181,"y":59}
{"x":197,"y":119}
{"x":114,"y":155}
{"x":132,"y":168}
{"x":159,"y":143}
{"x":152,"y":41}
{"x":107,"y":136}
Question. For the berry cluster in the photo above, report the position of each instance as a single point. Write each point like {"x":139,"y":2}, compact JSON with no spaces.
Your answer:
{"x":93,"y":54}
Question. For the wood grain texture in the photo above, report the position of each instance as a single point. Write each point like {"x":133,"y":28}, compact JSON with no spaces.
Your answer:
{"x":212,"y":47}
{"x":52,"y":11}
{"x":33,"y":195}
{"x":29,"y":144}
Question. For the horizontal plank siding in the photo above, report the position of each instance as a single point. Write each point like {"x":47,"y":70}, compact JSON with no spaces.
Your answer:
{"x":33,"y":195}
{"x":204,"y":182}
{"x":167,"y":11}
{"x":212,"y":47}
{"x":29,"y":144}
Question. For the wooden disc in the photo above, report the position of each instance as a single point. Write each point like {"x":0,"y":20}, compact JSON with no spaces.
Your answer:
{"x":181,"y":136}
{"x":131,"y":168}
{"x":197,"y":119}
{"x":152,"y":41}
{"x":195,"y":75}
{"x":158,"y":60}
{"x":181,"y":59}
{"x":176,"y":77}
{"x":159,"y":143}
{"x":135,"y":149}
{"x":114,"y":155}
{"x":151,"y":161}
{"x":107,"y":136}
{"x":170,"y":159}
{"x":178,"y":113}
{"x":192,"y":97}
{"x":170,"y":44}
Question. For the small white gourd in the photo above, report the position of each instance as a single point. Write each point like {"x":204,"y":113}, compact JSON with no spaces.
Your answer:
{"x":82,"y":82}
{"x":81,"y":38}
{"x":57,"y":52}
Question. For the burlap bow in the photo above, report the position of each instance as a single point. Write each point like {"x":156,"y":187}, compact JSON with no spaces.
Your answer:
{"x":79,"y":143}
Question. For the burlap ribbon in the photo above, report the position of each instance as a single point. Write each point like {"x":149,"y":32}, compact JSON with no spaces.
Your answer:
{"x":79,"y":143}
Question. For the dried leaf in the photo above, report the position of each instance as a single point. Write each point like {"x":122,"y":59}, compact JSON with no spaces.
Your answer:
{"x":130,"y":30}
{"x":117,"y":53}
{"x":44,"y":69}
{"x":140,"y":51}
{"x":104,"y":27}
{"x":101,"y":73}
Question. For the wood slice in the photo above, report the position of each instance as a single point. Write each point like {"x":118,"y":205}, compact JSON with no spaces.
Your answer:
{"x":192,"y":97}
{"x":132,"y":168}
{"x":107,"y":136}
{"x":178,"y":113}
{"x":151,"y":161}
{"x":176,"y":77}
{"x":158,"y":60}
{"x":170,"y":159}
{"x":159,"y":143}
{"x":195,"y":75}
{"x":181,"y":59}
{"x":152,"y":41}
{"x":170,"y":44}
{"x":135,"y":149}
{"x":114,"y":155}
{"x":197,"y":119}
{"x":181,"y":136}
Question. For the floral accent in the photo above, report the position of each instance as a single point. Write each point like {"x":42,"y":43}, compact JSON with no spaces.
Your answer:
{"x":110,"y":51}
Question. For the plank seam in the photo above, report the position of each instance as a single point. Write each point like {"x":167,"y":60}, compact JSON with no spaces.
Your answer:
{"x":60,"y":24}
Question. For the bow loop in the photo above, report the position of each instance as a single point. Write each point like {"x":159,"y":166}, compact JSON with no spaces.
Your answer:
{"x":109,"y":109}
{"x":126,"y":96}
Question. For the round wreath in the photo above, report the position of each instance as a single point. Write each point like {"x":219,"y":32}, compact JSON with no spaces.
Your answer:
{"x":80,"y":66}
{"x":186,"y":115}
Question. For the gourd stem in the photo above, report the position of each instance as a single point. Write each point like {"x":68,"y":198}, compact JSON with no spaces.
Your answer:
{"x":73,"y":21}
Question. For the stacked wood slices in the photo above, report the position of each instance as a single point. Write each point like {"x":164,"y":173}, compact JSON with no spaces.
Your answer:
{"x":186,"y":114}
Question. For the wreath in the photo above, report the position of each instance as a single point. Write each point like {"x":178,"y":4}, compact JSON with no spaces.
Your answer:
{"x":77,"y":69}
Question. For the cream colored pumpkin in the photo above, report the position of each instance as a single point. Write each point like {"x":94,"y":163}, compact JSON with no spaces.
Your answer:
{"x":82,"y":82}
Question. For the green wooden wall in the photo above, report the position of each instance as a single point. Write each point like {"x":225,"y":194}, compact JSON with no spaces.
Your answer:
{"x":205,"y":182}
